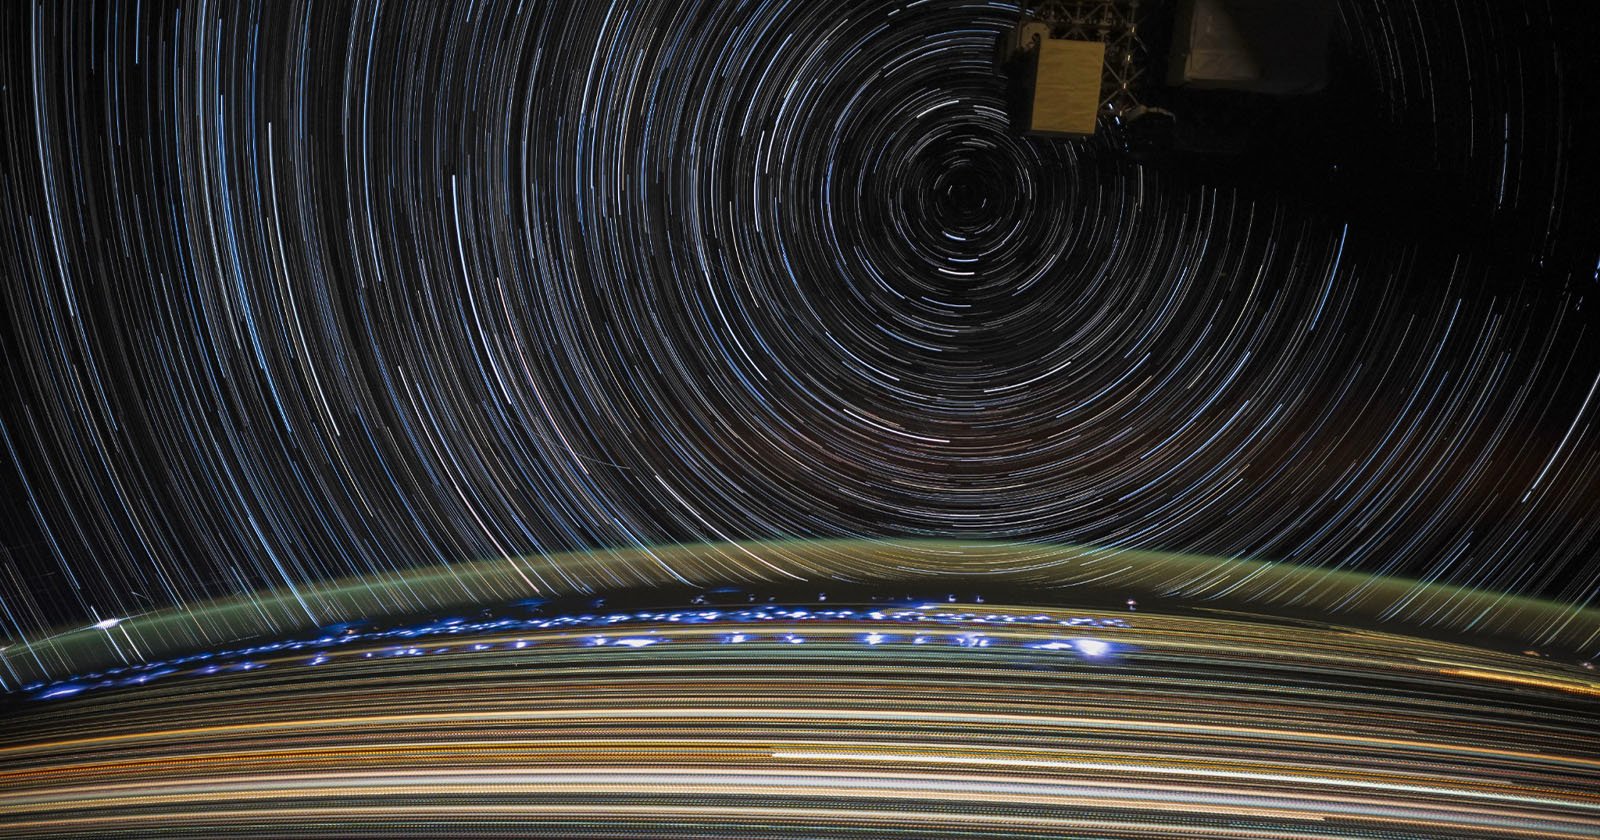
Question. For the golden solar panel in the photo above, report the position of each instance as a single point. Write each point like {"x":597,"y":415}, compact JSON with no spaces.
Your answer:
{"x":1066,"y":92}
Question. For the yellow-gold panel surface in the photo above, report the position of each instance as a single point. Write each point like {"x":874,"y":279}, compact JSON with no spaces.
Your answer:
{"x":1066,"y":93}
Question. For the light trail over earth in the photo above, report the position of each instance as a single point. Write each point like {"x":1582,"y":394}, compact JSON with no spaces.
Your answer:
{"x":865,"y":710}
{"x":875,"y":719}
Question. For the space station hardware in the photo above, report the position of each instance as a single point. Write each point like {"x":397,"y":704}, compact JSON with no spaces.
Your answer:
{"x":1070,"y":63}
{"x":1275,"y":47}
{"x":1075,"y":64}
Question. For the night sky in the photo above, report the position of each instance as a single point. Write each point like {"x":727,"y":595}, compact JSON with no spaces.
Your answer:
{"x":301,"y":291}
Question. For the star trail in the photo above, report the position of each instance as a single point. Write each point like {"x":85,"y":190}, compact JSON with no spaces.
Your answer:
{"x":304,"y":292}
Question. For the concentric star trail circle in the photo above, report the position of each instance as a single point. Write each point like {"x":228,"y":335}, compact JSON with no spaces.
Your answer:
{"x":297,"y":292}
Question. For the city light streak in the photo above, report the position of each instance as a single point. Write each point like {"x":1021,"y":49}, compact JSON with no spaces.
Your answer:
{"x":1273,"y":729}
